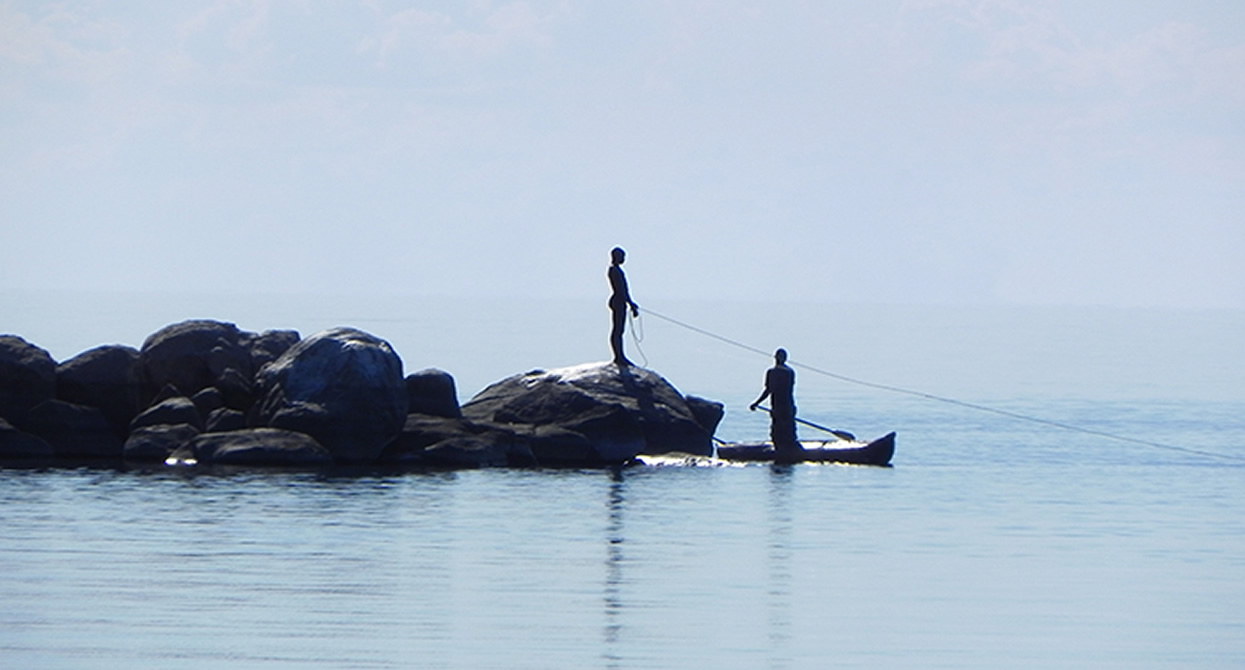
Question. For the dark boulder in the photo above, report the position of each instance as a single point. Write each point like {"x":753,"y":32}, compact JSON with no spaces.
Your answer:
{"x":170,"y":412}
{"x":224,"y":419}
{"x":602,"y":436}
{"x":169,"y":391}
{"x":421,"y":431}
{"x":708,"y":413}
{"x":268,"y":346}
{"x":236,"y":389}
{"x":344,"y":387}
{"x":442,"y":442}
{"x":468,"y":451}
{"x":157,"y":443}
{"x":259,"y":446}
{"x":27,"y":378}
{"x":432,"y":392}
{"x":614,"y":430}
{"x":622,"y":412}
{"x":74,"y":431}
{"x":18,"y":446}
{"x":107,"y":377}
{"x":208,"y":400}
{"x":556,"y":446}
{"x":192,"y":355}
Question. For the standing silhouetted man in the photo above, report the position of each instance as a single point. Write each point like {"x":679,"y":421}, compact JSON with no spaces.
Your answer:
{"x":780,"y":389}
{"x":620,"y":300}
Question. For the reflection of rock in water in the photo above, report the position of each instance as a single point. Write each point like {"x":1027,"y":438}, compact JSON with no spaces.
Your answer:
{"x":613,"y":569}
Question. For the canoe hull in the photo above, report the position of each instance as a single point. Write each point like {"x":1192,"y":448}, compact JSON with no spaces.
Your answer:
{"x":875,"y":452}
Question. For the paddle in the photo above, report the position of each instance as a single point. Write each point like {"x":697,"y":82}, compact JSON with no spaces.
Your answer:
{"x":841,"y":434}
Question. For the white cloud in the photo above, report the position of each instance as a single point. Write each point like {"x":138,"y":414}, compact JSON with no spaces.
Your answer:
{"x":1030,"y":46}
{"x":511,"y":25}
{"x":227,"y":38}
{"x":479,"y":35}
{"x":60,"y":46}
{"x":401,"y":29}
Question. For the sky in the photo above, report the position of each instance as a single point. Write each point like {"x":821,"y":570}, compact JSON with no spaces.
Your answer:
{"x":929,"y":152}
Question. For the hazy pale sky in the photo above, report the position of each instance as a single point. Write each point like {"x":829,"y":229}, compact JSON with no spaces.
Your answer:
{"x":1081,"y":152}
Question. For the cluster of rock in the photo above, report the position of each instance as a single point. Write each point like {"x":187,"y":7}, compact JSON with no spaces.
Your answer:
{"x":205,"y":392}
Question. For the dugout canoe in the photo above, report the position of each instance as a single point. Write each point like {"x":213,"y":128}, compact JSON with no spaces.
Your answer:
{"x":875,"y":452}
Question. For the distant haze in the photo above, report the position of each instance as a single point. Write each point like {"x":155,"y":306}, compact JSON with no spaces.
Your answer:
{"x":933,"y":151}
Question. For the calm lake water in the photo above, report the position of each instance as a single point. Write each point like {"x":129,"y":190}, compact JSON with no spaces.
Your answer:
{"x":993,"y":542}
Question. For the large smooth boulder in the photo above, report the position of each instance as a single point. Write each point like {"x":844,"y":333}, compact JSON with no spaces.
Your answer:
{"x":170,"y":412}
{"x":107,"y":377}
{"x":622,"y":411}
{"x":433,"y":392}
{"x":18,"y":446}
{"x":342,"y":386}
{"x":192,"y":355}
{"x":74,"y":431}
{"x":27,"y":377}
{"x":259,"y":446}
{"x":157,"y":443}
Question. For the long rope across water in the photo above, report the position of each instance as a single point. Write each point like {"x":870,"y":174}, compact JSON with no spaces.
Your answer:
{"x":950,"y":401}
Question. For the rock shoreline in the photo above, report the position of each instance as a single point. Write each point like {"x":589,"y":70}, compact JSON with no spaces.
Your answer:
{"x":205,"y":393}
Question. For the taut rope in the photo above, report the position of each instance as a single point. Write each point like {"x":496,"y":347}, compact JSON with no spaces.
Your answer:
{"x":951,"y":401}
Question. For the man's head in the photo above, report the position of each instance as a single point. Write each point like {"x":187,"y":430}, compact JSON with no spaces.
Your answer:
{"x":780,"y":356}
{"x":618,"y":255}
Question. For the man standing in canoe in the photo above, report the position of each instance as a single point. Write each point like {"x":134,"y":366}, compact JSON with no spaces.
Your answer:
{"x":780,"y":389}
{"x":620,"y":300}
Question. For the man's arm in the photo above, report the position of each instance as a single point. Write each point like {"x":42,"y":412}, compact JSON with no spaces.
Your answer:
{"x":764,"y":395}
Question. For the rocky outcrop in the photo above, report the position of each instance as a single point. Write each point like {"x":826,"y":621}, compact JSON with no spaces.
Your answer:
{"x":205,"y":392}
{"x":344,"y":387}
{"x":27,"y":378}
{"x":621,"y":411}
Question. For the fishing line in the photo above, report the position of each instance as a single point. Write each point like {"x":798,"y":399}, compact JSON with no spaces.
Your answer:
{"x":950,"y":401}
{"x":637,"y":334}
